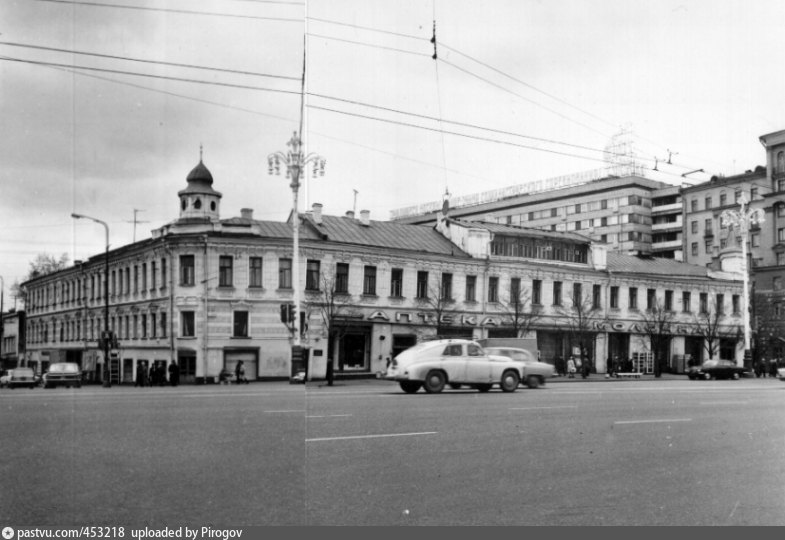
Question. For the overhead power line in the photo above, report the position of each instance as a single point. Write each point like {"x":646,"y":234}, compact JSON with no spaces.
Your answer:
{"x":321,"y":36}
{"x":180,"y":11}
{"x":149,"y":75}
{"x":370,"y":29}
{"x":144,"y":61}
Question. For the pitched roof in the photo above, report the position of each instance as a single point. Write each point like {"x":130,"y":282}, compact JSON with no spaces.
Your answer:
{"x":619,"y":262}
{"x":384,"y":234}
{"x":531,"y":232}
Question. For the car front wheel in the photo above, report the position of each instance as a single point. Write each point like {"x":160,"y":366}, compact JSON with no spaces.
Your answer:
{"x":510,"y":380}
{"x":434,"y":382}
{"x":410,"y":387}
{"x":707,"y":376}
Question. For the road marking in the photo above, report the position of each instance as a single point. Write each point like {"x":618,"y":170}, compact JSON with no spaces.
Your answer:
{"x":286,"y":411}
{"x":321,"y":439}
{"x":745,"y":402}
{"x":655,"y":421}
{"x":327,"y":415}
{"x":537,"y":408}
{"x":734,"y":509}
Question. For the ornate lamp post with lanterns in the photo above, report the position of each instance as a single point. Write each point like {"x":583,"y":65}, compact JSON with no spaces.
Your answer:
{"x":295,"y":161}
{"x":741,"y":220}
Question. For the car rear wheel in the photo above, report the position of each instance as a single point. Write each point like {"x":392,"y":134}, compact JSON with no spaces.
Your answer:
{"x":510,"y":380}
{"x":735,"y":376}
{"x":532,"y":382}
{"x":707,"y":376}
{"x":410,"y":387}
{"x":434,"y":382}
{"x":483,"y":387}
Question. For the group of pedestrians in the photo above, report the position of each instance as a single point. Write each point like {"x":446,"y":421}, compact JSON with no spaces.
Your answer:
{"x":767,"y":367}
{"x":574,"y":365}
{"x":156,"y":375}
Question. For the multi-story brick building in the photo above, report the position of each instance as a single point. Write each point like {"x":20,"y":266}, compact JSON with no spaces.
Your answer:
{"x":206,"y":292}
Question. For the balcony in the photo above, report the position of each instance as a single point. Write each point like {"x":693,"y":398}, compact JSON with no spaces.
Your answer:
{"x":667,"y":209}
{"x":671,"y":244}
{"x":671,"y":225}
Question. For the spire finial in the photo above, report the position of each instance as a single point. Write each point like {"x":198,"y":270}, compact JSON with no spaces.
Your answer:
{"x":200,"y":152}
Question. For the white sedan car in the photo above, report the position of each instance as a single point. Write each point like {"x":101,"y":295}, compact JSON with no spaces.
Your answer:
{"x":455,"y":362}
{"x":781,"y":373}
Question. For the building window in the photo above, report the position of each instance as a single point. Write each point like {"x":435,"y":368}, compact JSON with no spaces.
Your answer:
{"x":707,"y":227}
{"x":493,"y":289}
{"x":557,"y":288}
{"x":471,"y":288}
{"x":369,"y":280}
{"x":596,"y":296}
{"x":396,"y":282}
{"x":284,"y":273}
{"x":422,"y":284}
{"x":720,"y":304}
{"x":255,"y":272}
{"x":707,"y":244}
{"x":668,"y":300}
{"x":633,"y":298}
{"x":755,"y":240}
{"x":144,"y":326}
{"x":446,"y":292}
{"x":685,"y":301}
{"x":707,"y":205}
{"x":186,"y":269}
{"x":577,"y":294}
{"x":723,"y":199}
{"x":342,"y":278}
{"x":694,"y":227}
{"x":225,"y":264}
{"x":736,"y":305}
{"x":144,"y":276}
{"x":136,"y":279}
{"x":781,"y":235}
{"x":537,"y":292}
{"x":694,"y":249}
{"x":153,"y":328}
{"x":651,"y":298}
{"x":312,"y":275}
{"x":152,"y":275}
{"x":163,"y":325}
{"x":163,"y":273}
{"x":515,"y":291}
{"x":578,"y":208}
{"x":614,"y":297}
{"x":704,"y":303}
{"x":187,"y":324}
{"x":694,"y":205}
{"x":240,"y":326}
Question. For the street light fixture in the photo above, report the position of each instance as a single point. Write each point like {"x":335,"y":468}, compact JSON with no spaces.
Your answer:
{"x":105,"y":335}
{"x":742,"y":219}
{"x":295,"y":162}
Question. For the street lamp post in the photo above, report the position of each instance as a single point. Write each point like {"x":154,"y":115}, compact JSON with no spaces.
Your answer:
{"x":105,"y":337}
{"x":742,"y":219}
{"x":295,"y":162}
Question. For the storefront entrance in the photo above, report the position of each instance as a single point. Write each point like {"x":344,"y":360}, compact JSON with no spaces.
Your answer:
{"x":187,"y":362}
{"x":354,"y":354}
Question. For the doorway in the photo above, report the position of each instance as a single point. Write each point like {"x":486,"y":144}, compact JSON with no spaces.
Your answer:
{"x":353,"y":354}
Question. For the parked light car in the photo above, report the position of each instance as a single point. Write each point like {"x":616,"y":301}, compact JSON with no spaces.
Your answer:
{"x":781,"y":373}
{"x":717,"y":369}
{"x":534,"y":372}
{"x":62,"y":374}
{"x":19,"y":377}
{"x":434,"y":364}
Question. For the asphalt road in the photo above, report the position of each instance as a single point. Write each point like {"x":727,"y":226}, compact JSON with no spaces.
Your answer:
{"x":647,"y":452}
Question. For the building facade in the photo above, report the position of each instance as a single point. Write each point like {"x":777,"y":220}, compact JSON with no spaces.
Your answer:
{"x":206,"y":292}
{"x":12,"y":347}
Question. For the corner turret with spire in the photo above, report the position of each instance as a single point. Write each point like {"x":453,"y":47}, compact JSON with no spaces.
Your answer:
{"x":199,"y":201}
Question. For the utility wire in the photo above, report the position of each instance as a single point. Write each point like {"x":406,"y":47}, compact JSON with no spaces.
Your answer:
{"x":149,"y":75}
{"x":366,"y":44}
{"x":141,"y":60}
{"x":360,"y":27}
{"x":180,"y":11}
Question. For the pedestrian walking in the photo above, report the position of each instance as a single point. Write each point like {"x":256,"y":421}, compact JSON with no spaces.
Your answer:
{"x":585,"y":368}
{"x":560,"y":369}
{"x":174,"y":374}
{"x":571,"y":367}
{"x":141,"y":375}
{"x":764,"y":367}
{"x":239,"y":373}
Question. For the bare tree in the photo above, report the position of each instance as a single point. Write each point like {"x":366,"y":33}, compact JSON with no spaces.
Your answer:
{"x":42,"y":265}
{"x":707,"y":324}
{"x":333,"y":305}
{"x":437,"y":301}
{"x":767,"y":326}
{"x":520,"y":311}
{"x":657,"y":324}
{"x":581,"y":320}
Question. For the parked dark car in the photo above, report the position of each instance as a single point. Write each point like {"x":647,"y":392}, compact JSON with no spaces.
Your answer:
{"x":717,"y":369}
{"x":19,"y":377}
{"x":63,"y":374}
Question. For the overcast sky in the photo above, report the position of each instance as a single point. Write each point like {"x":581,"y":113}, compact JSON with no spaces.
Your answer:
{"x":522,"y":90}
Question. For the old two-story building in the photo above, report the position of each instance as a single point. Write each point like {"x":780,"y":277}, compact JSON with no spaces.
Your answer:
{"x":206,"y":292}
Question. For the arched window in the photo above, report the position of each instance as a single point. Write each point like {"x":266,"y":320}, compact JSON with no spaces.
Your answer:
{"x":198,"y":204}
{"x":781,"y":162}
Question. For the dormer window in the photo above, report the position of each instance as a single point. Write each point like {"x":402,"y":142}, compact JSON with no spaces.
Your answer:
{"x":212,"y":206}
{"x":198,"y":204}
